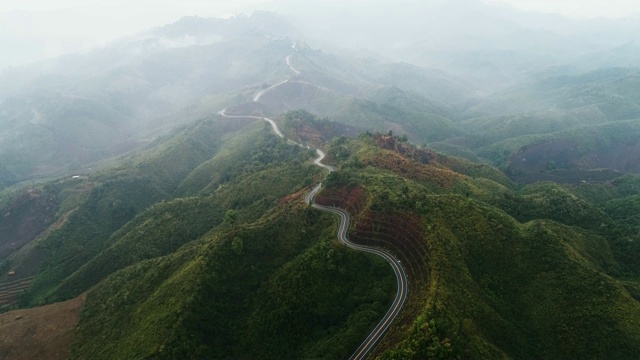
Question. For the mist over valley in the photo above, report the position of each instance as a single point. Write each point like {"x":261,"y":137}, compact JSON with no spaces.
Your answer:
{"x":437,"y":179}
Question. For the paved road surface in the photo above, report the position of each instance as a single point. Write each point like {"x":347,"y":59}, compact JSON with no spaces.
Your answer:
{"x":401,"y":277}
{"x":401,"y":295}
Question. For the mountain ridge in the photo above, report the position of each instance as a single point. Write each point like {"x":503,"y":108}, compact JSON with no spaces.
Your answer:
{"x":198,"y":242}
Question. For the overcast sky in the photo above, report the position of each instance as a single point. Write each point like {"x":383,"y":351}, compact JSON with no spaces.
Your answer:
{"x":35,"y":29}
{"x":579,"y":8}
{"x":159,"y":9}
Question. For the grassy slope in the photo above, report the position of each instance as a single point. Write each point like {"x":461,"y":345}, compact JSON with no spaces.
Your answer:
{"x":115,"y":197}
{"x":364,"y":95}
{"x":588,"y":140}
{"x":228,"y":293}
{"x":155,"y":266}
{"x":524,"y":273}
{"x":609,"y":93}
{"x":45,"y":332}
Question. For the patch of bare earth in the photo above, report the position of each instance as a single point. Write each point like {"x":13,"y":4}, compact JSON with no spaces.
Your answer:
{"x":45,"y":332}
{"x":561,"y":161}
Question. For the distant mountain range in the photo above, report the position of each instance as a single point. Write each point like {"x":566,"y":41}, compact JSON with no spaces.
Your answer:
{"x":61,"y":115}
{"x":495,"y":153}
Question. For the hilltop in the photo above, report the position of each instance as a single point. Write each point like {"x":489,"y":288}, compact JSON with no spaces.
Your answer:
{"x":515,"y":253}
{"x":158,"y":184}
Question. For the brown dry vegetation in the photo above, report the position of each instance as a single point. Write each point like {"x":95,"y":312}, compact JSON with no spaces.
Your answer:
{"x":45,"y":332}
{"x":564,"y":161}
{"x":400,"y":233}
{"x":352,"y":199}
{"x":402,"y":166}
{"x":295,"y":196}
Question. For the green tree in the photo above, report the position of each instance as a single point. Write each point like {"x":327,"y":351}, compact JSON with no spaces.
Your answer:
{"x":231,"y":216}
{"x":237,"y":245}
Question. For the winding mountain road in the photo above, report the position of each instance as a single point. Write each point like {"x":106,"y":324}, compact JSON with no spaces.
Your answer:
{"x":274,"y":126}
{"x":401,"y":277}
{"x":257,"y":97}
{"x":288,"y":61}
{"x":401,"y":295}
{"x":318,"y":161}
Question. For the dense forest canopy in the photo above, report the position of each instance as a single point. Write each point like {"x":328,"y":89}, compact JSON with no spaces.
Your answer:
{"x":155,"y":188}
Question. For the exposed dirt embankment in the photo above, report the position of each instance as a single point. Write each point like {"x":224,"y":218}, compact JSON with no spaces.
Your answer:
{"x":45,"y":332}
{"x":352,"y":199}
{"x":305,"y":128}
{"x":408,"y":161}
{"x":388,"y":142}
{"x":400,"y":233}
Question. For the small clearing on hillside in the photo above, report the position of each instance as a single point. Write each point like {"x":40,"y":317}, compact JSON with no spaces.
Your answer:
{"x":45,"y":332}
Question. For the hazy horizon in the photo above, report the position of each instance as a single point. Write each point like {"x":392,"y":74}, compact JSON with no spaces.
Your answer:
{"x":35,"y":30}
{"x":161,"y":188}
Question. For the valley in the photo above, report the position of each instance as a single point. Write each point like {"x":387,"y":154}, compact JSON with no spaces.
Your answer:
{"x":268,"y":195}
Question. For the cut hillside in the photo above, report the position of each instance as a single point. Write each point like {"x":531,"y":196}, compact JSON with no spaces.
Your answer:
{"x":495,"y":282}
{"x":223,"y":252}
{"x":150,"y":210}
{"x":227,"y":294}
{"x":213,"y":274}
{"x":307,"y":128}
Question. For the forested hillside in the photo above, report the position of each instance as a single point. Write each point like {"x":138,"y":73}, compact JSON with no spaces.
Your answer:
{"x":494,"y":268}
{"x":158,"y":191}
